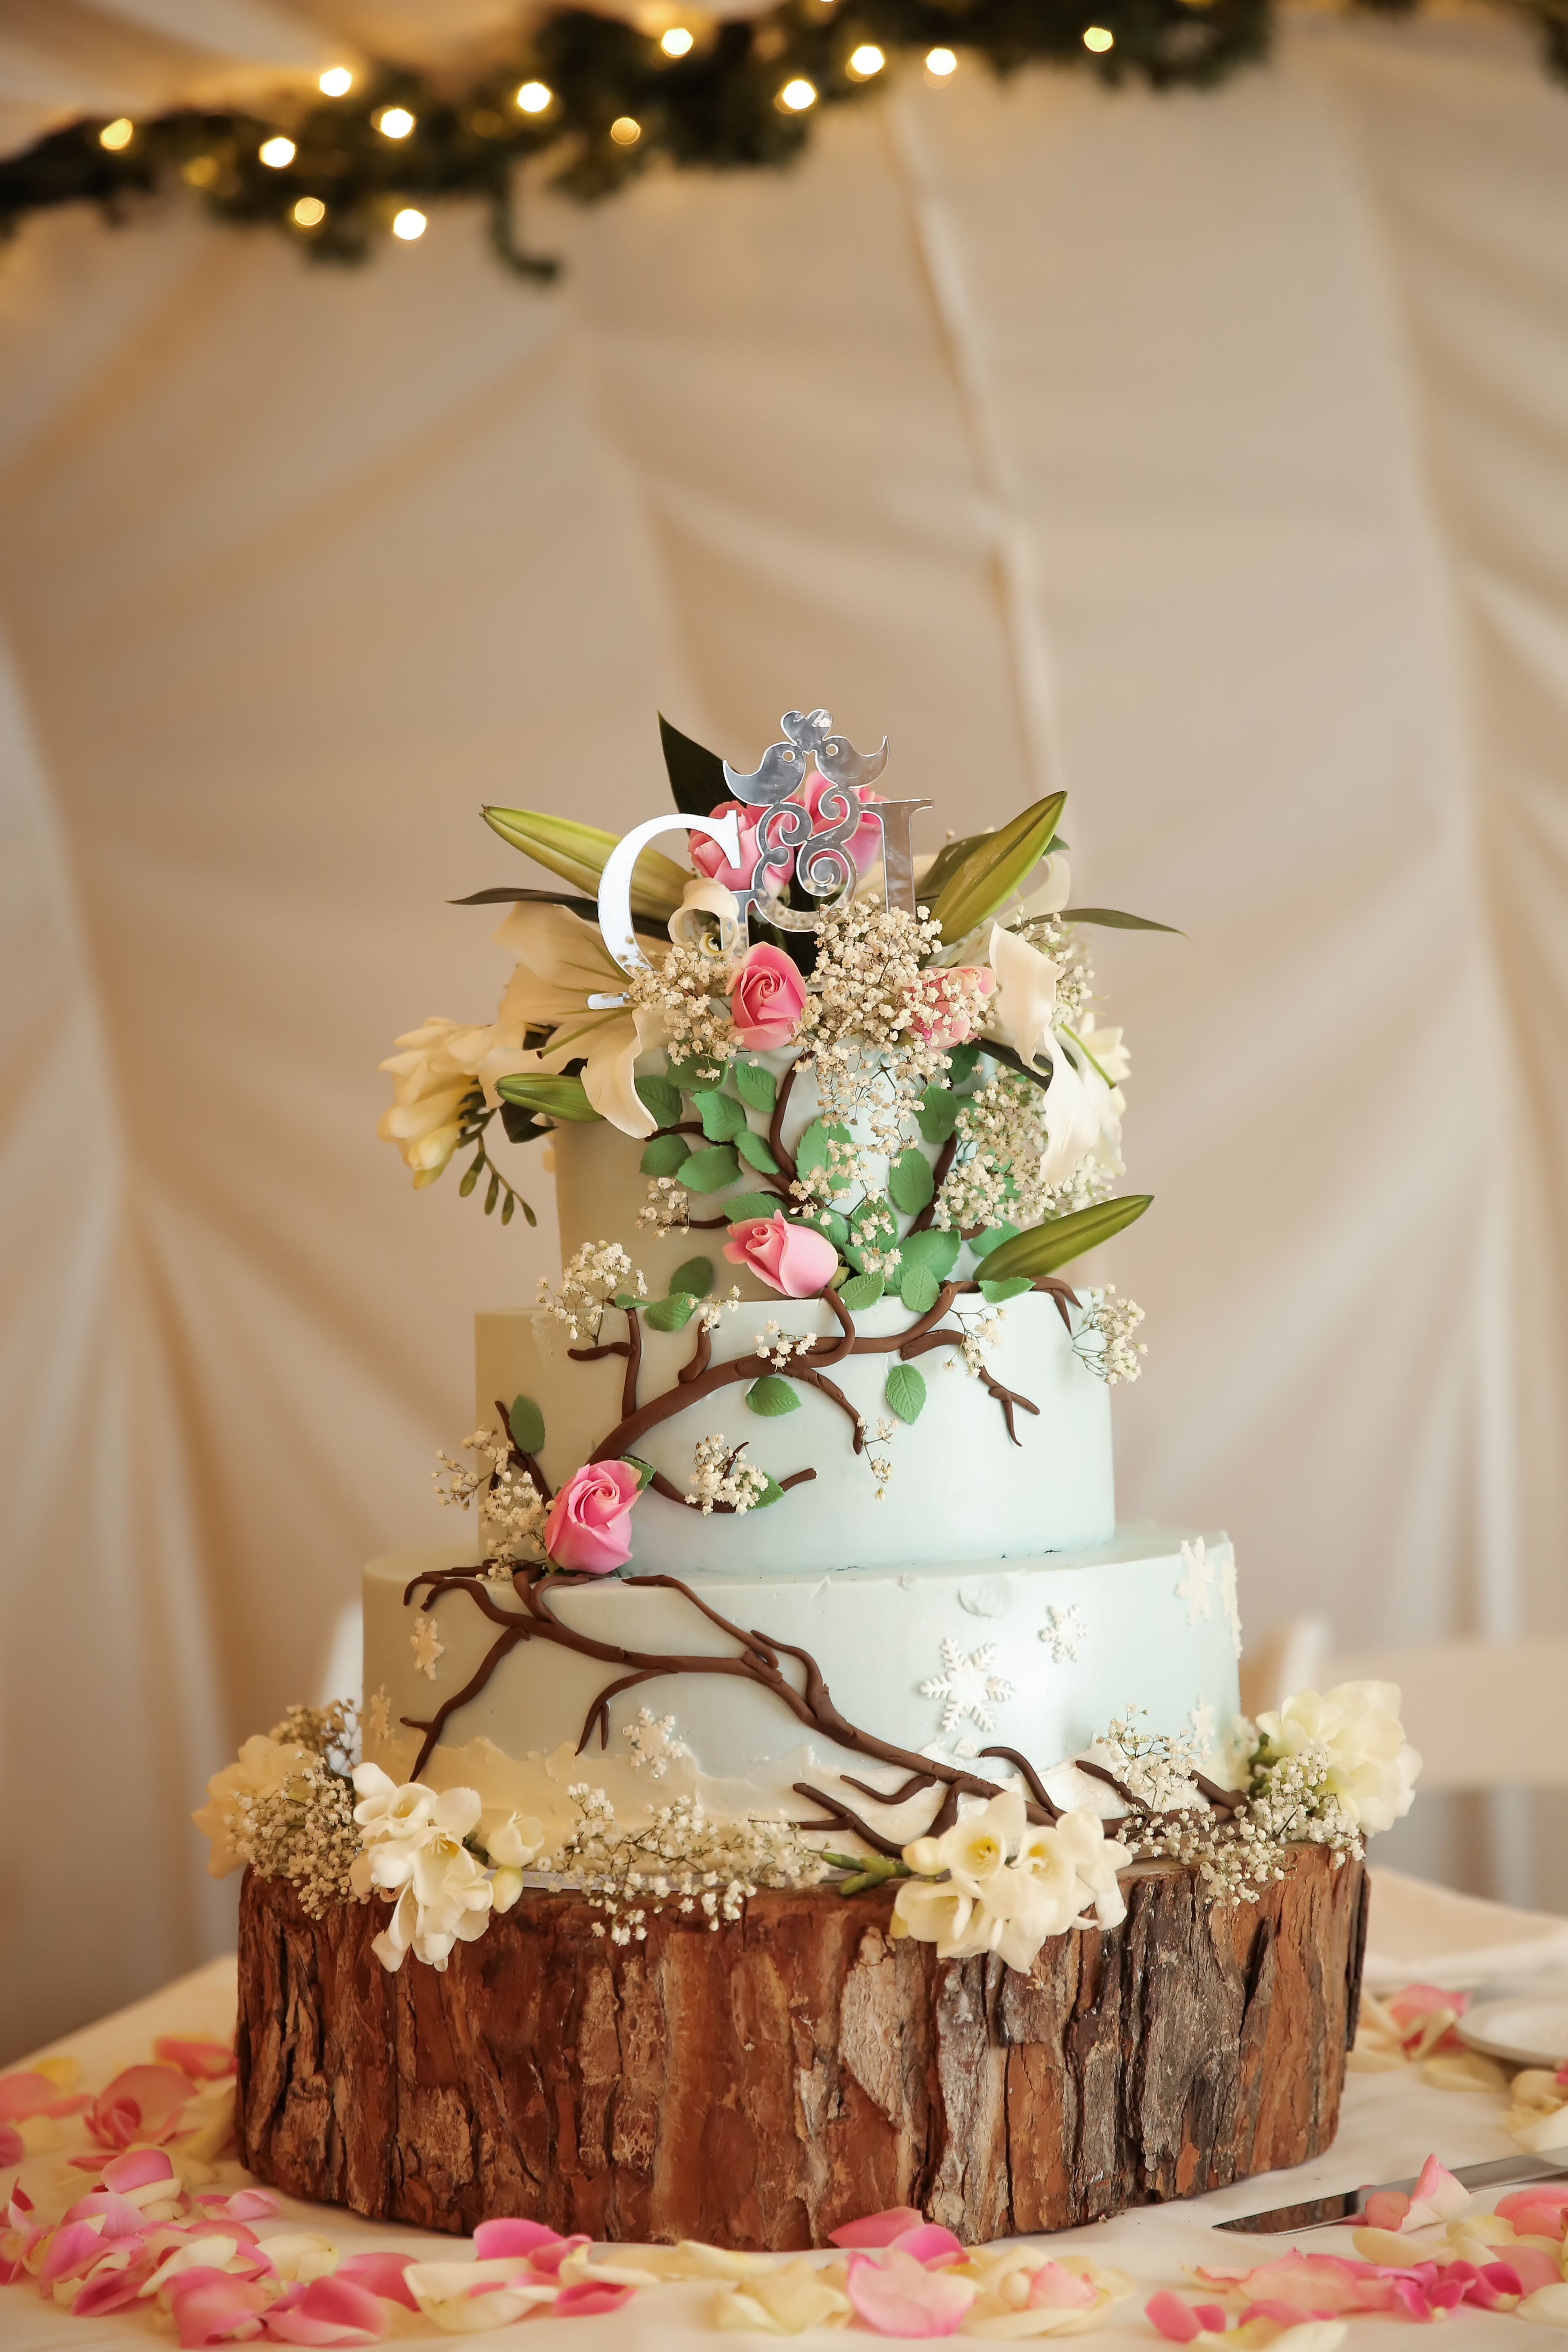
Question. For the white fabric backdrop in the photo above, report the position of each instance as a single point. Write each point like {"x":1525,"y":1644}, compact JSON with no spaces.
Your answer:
{"x":1209,"y":452}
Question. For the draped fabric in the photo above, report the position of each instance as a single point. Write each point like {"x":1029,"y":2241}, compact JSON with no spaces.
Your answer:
{"x":1205,"y":454}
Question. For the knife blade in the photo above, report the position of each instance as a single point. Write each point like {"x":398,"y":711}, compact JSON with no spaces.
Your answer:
{"x":1348,"y":2204}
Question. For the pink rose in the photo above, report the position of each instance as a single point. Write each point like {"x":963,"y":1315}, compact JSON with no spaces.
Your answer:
{"x":709,"y":859}
{"x":767,"y":999}
{"x":865,"y":844}
{"x":589,"y":1523}
{"x":955,"y":999}
{"x":790,"y":1259}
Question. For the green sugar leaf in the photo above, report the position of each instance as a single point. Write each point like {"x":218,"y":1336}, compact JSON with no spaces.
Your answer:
{"x":906,"y":1391}
{"x":918,"y":1288}
{"x":823,"y":1221}
{"x":937,"y":1112}
{"x":671,"y":1314}
{"x":872,"y":1220}
{"x":811,"y":1152}
{"x":695,"y":1277}
{"x":625,"y":1300}
{"x":1011,"y":1286}
{"x":753,"y":1150}
{"x":862,"y":1290}
{"x":772,"y":1493}
{"x":663,"y":1154}
{"x":770,"y":1396}
{"x":696,"y":774}
{"x":992,"y":1238}
{"x":527,"y":1424}
{"x":938,"y":1250}
{"x":723,"y":1119}
{"x":909,"y":1182}
{"x":644,"y":1469}
{"x":757,"y":1086}
{"x":1115,"y":920}
{"x":960,"y":1061}
{"x":1055,"y":1243}
{"x":746,"y":1205}
{"x":700,"y":1072}
{"x":710,"y":1170}
{"x":662,"y":1098}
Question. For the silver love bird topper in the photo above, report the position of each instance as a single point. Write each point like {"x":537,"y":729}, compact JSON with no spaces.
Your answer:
{"x":789,"y":837}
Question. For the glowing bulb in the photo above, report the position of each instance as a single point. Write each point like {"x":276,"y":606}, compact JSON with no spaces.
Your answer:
{"x":394,"y":122}
{"x":798,"y":95}
{"x":309,"y":213}
{"x":1099,"y":38}
{"x":625,"y":131}
{"x":867,"y":61}
{"x":677,"y":42}
{"x":336,"y":82}
{"x":277,"y":153}
{"x":408,"y":225}
{"x":200,"y":172}
{"x":941,"y":62}
{"x":117,"y":134}
{"x":534,"y":97}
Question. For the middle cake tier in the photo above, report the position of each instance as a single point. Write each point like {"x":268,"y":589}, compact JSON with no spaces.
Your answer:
{"x":1034,"y":1657}
{"x":1004,"y":1464}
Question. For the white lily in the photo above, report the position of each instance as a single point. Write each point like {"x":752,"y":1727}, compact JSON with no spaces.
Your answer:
{"x":562,"y":961}
{"x":1023,"y":1009}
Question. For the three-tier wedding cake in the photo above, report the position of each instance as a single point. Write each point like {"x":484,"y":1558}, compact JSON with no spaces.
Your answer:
{"x":796,"y":1581}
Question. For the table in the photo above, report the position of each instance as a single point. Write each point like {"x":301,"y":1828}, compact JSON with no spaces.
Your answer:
{"x":1391,"y":2123}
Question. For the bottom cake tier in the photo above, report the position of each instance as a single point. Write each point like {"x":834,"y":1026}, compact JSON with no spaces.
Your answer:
{"x":760,"y":2084}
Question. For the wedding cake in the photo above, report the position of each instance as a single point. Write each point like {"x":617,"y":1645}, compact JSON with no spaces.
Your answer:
{"x":794,"y":1575}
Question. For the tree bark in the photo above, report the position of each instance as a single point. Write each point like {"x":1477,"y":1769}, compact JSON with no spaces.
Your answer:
{"x":758,"y":2087}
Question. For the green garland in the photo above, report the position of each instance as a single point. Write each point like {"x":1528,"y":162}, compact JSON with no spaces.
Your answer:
{"x":616,"y":100}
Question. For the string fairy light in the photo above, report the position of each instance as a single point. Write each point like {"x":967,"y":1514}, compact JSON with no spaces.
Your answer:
{"x":867,"y":61}
{"x":394,"y":122}
{"x":941,"y":63}
{"x":336,"y":82}
{"x":117,"y":134}
{"x":677,"y":42}
{"x":534,"y":97}
{"x":1098,"y":38}
{"x":408,"y":224}
{"x":625,"y":131}
{"x":798,"y":94}
{"x":276,"y":153}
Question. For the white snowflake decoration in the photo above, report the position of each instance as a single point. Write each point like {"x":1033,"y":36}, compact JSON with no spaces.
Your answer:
{"x":653,"y":1743}
{"x":426,"y":1647}
{"x":1192,"y":1585}
{"x":1201,"y":1718}
{"x":1065,"y":1631}
{"x":967,"y":1686}
{"x":378,"y":1717}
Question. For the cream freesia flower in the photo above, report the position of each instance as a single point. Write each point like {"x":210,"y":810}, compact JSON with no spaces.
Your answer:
{"x":1372,"y":1765}
{"x":433,"y":1074}
{"x":414,"y":1851}
{"x":1010,"y":1884}
{"x":562,"y":961}
{"x":1023,"y":1010}
{"x":262,"y":1766}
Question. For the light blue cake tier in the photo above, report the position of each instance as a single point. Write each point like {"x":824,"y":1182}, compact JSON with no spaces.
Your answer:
{"x":944,"y":1659}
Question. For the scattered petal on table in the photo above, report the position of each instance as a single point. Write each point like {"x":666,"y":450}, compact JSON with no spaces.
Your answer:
{"x":471,"y":2298}
{"x":588,"y":2297}
{"x":203,"y":2060}
{"x":383,"y":2275}
{"x":931,"y":2246}
{"x":877,"y":2229}
{"x":895,"y":2296}
{"x":1548,"y":2304}
{"x":330,"y":2311}
{"x":141,"y":2104}
{"x":784,"y":2301}
{"x":301,"y":2256}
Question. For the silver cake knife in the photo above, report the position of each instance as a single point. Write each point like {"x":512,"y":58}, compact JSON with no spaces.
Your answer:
{"x":1348,"y":2204}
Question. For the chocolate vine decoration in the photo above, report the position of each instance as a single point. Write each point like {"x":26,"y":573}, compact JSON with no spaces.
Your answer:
{"x":700,"y":1377}
{"x":757,"y":1661}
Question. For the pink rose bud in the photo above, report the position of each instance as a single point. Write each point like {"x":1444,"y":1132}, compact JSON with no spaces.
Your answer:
{"x":865,"y":844}
{"x":589,"y":1527}
{"x":767,"y":999}
{"x":790,"y":1259}
{"x":709,"y":859}
{"x":954,"y":998}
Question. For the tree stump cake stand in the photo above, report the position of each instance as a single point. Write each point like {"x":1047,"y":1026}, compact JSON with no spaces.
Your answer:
{"x":758,"y":2087}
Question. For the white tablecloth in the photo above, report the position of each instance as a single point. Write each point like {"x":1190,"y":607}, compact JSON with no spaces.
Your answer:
{"x":1391,"y":2122}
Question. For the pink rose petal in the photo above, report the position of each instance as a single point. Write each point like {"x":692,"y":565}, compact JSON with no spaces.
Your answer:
{"x":141,"y":2104}
{"x":245,"y":2205}
{"x":122,"y":2219}
{"x":1176,"y":2321}
{"x":111,"y":2290}
{"x":13,"y":2147}
{"x":1055,"y":2289}
{"x":1538,"y":2212}
{"x":136,"y":2168}
{"x":210,"y":2307}
{"x":585,"y":2297}
{"x":877,"y":2229}
{"x":381,"y":2274}
{"x":73,"y":2248}
{"x":895,"y":2296}
{"x":930,"y":2243}
{"x":330,"y":2311}
{"x":1385,"y":2209}
{"x":493,"y":2240}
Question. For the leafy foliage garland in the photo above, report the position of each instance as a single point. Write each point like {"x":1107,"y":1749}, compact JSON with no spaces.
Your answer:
{"x":720,"y":106}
